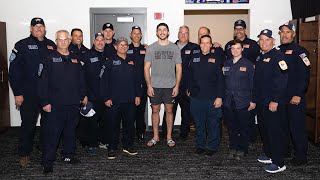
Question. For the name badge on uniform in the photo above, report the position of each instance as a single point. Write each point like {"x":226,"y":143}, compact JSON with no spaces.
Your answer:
{"x":196,"y":60}
{"x":74,"y":60}
{"x":131,"y":62}
{"x":142,"y":51}
{"x":266,"y":60}
{"x":187,"y":51}
{"x":289,"y":51}
{"x":130,"y":51}
{"x":211,"y":60}
{"x":283,"y":65}
{"x":40,"y":69}
{"x":243,"y":69}
{"x":116,"y":62}
{"x":54,"y":59}
{"x":246,"y":45}
{"x":196,"y":51}
{"x":32,"y":47}
{"x":212,"y":50}
{"x":305,"y":59}
{"x":50,"y":47}
{"x":95,"y":59}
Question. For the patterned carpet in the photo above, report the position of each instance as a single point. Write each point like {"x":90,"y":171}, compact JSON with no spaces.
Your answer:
{"x":159,"y":162}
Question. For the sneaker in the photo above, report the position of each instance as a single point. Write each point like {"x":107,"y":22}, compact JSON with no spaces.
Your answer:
{"x":239,"y":155}
{"x":103,"y":146}
{"x":297,"y":162}
{"x":111,"y":154}
{"x":92,"y":151}
{"x":131,"y":151}
{"x":47,"y":170}
{"x":71,"y":160}
{"x":273,"y":168}
{"x":24,"y":161}
{"x":210,"y":153}
{"x":232,"y":153}
{"x":200,"y":151}
{"x":264,"y":160}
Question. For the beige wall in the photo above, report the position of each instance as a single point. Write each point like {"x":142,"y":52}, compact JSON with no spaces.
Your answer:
{"x":220,"y":25}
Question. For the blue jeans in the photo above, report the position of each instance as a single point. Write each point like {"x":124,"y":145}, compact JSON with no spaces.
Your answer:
{"x":205,"y":114}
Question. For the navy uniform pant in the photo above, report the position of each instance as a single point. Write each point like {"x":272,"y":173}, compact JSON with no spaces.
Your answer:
{"x":62,"y":120}
{"x":124,"y":112}
{"x":184,"y":101}
{"x":297,"y":122}
{"x":140,"y":114}
{"x":29,"y":112}
{"x":274,"y":133}
{"x":88,"y":126}
{"x":238,"y":121}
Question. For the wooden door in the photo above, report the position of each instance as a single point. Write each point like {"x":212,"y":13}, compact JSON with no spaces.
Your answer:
{"x":4,"y":88}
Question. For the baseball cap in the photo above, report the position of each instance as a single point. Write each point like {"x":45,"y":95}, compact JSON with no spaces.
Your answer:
{"x":240,"y":22}
{"x":107,"y":25}
{"x":135,"y":27}
{"x":289,"y":25}
{"x":36,"y":21}
{"x":98,"y":34}
{"x":163,"y":24}
{"x":87,"y":110}
{"x":266,"y":32}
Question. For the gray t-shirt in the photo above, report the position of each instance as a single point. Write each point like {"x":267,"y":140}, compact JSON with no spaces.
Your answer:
{"x":163,"y":62}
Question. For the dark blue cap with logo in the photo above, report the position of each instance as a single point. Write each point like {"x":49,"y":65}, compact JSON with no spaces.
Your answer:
{"x":98,"y":34}
{"x":135,"y":27}
{"x":107,"y":25}
{"x":266,"y":32}
{"x":241,"y":23}
{"x":289,"y":25}
{"x":36,"y":21}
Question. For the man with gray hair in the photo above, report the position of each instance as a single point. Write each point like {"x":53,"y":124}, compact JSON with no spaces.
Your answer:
{"x":121,"y":92}
{"x":61,"y":90}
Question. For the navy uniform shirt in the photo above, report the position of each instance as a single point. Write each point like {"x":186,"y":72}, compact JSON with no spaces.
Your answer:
{"x":299,"y":71}
{"x":79,"y":52}
{"x":110,"y":50}
{"x":93,"y":66}
{"x":137,"y":54}
{"x":251,"y":50}
{"x":205,"y":78}
{"x":120,"y":82}
{"x":186,"y":53}
{"x":24,"y":62}
{"x":271,"y":78}
{"x":61,"y":80}
{"x":238,"y":83}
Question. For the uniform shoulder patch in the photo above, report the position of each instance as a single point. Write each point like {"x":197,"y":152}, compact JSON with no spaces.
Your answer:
{"x":305,"y":59}
{"x":12,"y":56}
{"x":40,"y":69}
{"x":283,"y":65}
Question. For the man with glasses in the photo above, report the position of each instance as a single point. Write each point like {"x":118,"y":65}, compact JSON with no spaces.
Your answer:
{"x":23,"y":74}
{"x":61,"y":90}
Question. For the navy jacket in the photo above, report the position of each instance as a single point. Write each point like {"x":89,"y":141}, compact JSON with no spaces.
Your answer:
{"x":24,"y":62}
{"x":79,"y":52}
{"x":251,"y":50}
{"x":299,"y":71}
{"x":120,"y":81}
{"x":218,"y":53}
{"x":205,"y":78}
{"x":94,"y":64}
{"x":270,"y":80}
{"x":110,"y":50}
{"x":186,"y":53}
{"x":61,"y":80}
{"x":137,"y":54}
{"x":238,"y":83}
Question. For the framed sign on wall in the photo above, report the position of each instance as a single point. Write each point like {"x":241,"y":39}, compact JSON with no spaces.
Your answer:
{"x":216,"y":1}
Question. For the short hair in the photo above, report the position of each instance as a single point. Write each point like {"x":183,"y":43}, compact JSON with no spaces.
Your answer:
{"x":205,"y":28}
{"x":204,"y":36}
{"x":236,"y":41}
{"x":120,"y":39}
{"x":184,"y":26}
{"x":163,"y":24}
{"x":62,"y":31}
{"x":76,"y":29}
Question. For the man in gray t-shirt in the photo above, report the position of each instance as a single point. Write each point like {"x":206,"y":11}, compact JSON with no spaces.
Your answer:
{"x":164,"y":59}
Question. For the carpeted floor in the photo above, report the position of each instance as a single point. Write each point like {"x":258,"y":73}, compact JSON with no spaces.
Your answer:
{"x":159,"y":162}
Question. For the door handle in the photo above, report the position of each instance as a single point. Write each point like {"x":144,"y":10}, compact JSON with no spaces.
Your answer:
{"x":1,"y":76}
